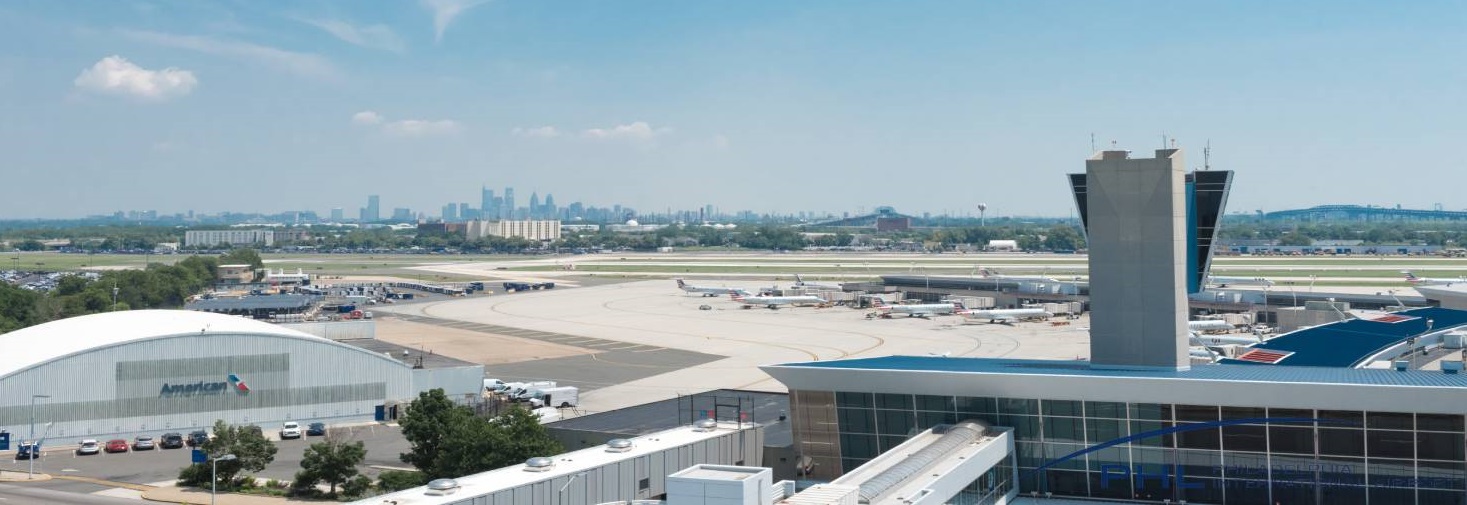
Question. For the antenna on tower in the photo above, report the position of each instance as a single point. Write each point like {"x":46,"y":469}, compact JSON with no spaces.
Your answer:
{"x":1112,"y":145}
{"x":1163,"y":140}
{"x":1092,"y":142}
{"x":1207,"y":155}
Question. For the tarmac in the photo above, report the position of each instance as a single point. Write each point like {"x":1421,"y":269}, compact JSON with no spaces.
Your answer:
{"x":721,"y":347}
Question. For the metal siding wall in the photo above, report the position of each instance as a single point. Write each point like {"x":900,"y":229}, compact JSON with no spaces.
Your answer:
{"x":323,"y":381}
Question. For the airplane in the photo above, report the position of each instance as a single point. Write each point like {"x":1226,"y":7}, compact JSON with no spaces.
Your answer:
{"x":773,"y":302}
{"x":922,"y":310}
{"x":993,"y":274}
{"x":706,"y":291}
{"x":1209,"y":325}
{"x":1223,"y":282}
{"x":1428,"y":281}
{"x":1006,"y":315}
{"x":1221,"y":340}
{"x":800,"y":283}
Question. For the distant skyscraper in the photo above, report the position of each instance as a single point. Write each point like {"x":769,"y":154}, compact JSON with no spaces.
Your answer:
{"x":373,"y":212}
{"x":550,"y":212}
{"x":450,"y":213}
{"x":337,"y":214}
{"x":486,"y":202}
{"x":402,"y":214}
{"x":507,"y":210}
{"x":534,"y":205}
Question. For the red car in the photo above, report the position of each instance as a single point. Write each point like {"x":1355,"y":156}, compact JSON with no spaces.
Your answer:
{"x":116,"y":445}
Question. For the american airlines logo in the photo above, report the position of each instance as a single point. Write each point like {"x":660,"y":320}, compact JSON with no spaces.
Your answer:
{"x":204,"y":388}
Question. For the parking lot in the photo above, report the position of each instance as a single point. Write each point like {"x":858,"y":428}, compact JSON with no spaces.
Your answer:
{"x":161,"y":466}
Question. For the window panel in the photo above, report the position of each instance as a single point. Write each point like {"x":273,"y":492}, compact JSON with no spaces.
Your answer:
{"x":1196,"y":413}
{"x":1110,"y":485}
{"x":1349,"y":416}
{"x":1341,"y":495}
{"x":856,"y":420}
{"x":1337,"y":442}
{"x":843,"y":399}
{"x":1440,"y":474}
{"x":1291,"y":413}
{"x":893,"y":401}
{"x":1245,"y":466}
{"x":1199,"y":463}
{"x":1142,"y":427}
{"x":1064,"y":429}
{"x":1245,"y":438}
{"x":1290,"y":440}
{"x":1025,"y":427}
{"x":935,"y":403}
{"x":1244,"y":412}
{"x":1245,"y":492}
{"x":1292,"y":492}
{"x":858,"y":446}
{"x":1018,"y":406}
{"x":1053,"y":452}
{"x":887,"y":442}
{"x":1442,"y":446}
{"x":1439,"y":497}
{"x":1389,"y":421}
{"x":1104,"y":430}
{"x":1062,"y":482}
{"x":1390,"y":473}
{"x":926,"y":420}
{"x":1439,"y":422}
{"x":895,"y":422}
{"x":1390,"y":444}
{"x":1342,"y":471}
{"x":1151,"y":412}
{"x":1111,"y":410}
{"x":1391,"y":495}
{"x":1198,"y":439}
{"x":977,"y":405}
{"x":1062,"y":408}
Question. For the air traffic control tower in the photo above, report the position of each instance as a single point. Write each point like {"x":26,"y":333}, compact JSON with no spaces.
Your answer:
{"x":1150,"y":227}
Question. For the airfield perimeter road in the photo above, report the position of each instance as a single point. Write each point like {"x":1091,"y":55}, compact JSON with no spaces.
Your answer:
{"x":633,"y":326}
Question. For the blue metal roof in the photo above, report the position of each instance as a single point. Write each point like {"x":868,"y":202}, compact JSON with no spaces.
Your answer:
{"x":1347,"y":343}
{"x":1231,"y":373}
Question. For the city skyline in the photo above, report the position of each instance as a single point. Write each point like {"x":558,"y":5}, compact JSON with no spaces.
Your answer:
{"x":772,"y":107}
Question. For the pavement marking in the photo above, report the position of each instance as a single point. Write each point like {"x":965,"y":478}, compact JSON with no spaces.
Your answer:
{"x":104,"y":482}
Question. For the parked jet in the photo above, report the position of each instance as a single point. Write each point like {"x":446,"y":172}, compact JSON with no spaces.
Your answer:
{"x":1221,"y":340}
{"x":993,"y":274}
{"x":1223,"y":282}
{"x":774,"y":302}
{"x":1006,"y":315}
{"x":706,"y":291}
{"x":923,"y":310}
{"x":1429,"y":281}
{"x":800,"y":283}
{"x":1209,"y":325}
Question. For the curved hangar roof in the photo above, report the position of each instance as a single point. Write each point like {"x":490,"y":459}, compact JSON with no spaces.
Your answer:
{"x":45,"y":342}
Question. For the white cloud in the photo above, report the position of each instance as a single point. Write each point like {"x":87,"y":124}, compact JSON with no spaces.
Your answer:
{"x":406,"y":127}
{"x":369,"y":36}
{"x":544,"y":132}
{"x":366,"y":117}
{"x":445,"y":10}
{"x":306,"y":64}
{"x":639,"y":131}
{"x":115,"y":75}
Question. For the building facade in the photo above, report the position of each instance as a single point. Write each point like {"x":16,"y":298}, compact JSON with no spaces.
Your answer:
{"x":153,"y":371}
{"x":529,"y":230}
{"x":210,"y":238}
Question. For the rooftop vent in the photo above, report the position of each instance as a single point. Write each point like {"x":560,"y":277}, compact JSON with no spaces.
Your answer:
{"x":619,"y":445}
{"x":541,"y":464}
{"x":705,"y":425}
{"x":441,"y":487}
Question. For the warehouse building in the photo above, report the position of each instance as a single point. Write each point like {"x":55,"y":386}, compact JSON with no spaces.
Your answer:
{"x":149,"y":371}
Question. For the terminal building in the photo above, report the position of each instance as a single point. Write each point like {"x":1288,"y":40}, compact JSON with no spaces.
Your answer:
{"x":153,"y":371}
{"x":1138,"y":423}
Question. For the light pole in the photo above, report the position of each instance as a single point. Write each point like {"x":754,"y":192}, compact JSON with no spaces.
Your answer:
{"x":214,"y":477}
{"x":31,"y":462}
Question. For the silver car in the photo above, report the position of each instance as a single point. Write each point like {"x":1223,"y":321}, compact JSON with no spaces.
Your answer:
{"x":143,"y":443}
{"x":88,"y":447}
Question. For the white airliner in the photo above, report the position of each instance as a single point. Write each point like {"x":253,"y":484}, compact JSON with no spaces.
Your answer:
{"x":800,"y":283}
{"x":1221,"y":340}
{"x":773,"y":302}
{"x":922,"y":310}
{"x":993,"y":274}
{"x":1006,"y":315}
{"x":1223,"y":282}
{"x":1207,"y":325}
{"x":1430,"y":281}
{"x":706,"y":291}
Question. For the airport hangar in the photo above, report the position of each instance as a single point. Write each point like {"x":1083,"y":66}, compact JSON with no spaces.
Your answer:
{"x":151,"y":371}
{"x":1301,"y":422}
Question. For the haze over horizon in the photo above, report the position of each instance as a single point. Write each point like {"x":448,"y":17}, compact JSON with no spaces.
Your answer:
{"x":926,"y":106}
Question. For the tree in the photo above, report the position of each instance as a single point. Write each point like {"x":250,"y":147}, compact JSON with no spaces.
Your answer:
{"x":1063,"y":238}
{"x":252,"y":453}
{"x":429,"y":424}
{"x":398,"y":480}
{"x":245,"y":256}
{"x":31,"y":245}
{"x":450,"y":441}
{"x":332,"y":461}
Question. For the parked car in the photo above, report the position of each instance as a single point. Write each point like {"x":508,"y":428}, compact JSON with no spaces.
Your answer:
{"x":116,"y":445}
{"x":27,"y":450}
{"x":171,"y":441}
{"x":290,"y":429}
{"x":88,"y":446}
{"x":316,"y":429}
{"x":197,"y":438}
{"x":143,"y":443}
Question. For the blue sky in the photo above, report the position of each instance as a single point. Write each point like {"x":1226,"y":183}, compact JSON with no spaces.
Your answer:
{"x":771,"y":106}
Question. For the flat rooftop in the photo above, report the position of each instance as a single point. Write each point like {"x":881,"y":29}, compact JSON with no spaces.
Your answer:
{"x":429,"y":359}
{"x":1347,"y":343}
{"x":1071,"y":368}
{"x":667,"y":414}
{"x":257,"y":302}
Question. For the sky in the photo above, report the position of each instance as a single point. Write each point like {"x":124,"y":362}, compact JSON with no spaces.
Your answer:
{"x":771,"y":106}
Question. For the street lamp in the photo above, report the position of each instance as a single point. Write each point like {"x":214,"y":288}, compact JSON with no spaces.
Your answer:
{"x":31,"y":467}
{"x":214,"y":477}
